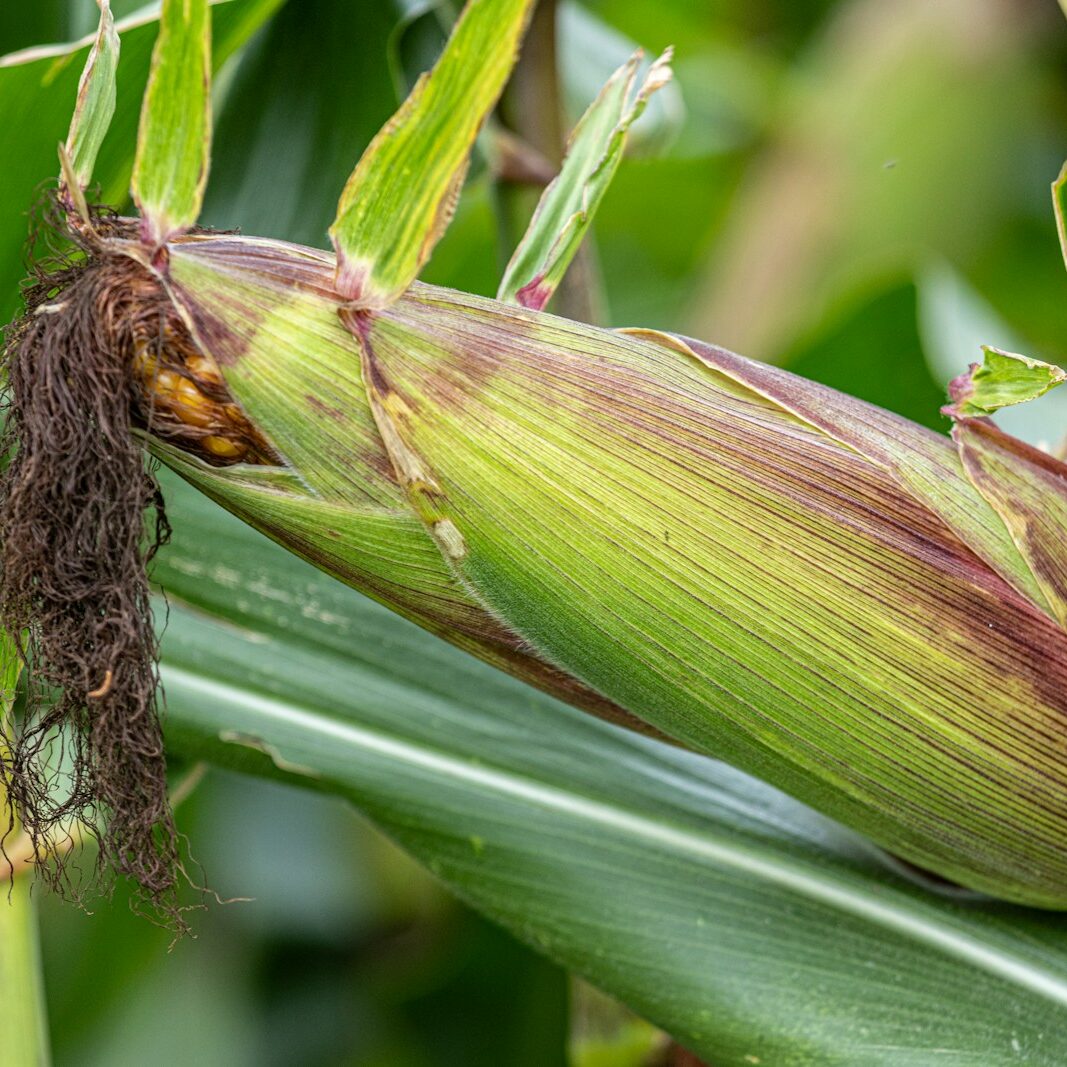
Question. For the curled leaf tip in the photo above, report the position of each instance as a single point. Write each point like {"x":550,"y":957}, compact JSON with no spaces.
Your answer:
{"x":999,"y":381}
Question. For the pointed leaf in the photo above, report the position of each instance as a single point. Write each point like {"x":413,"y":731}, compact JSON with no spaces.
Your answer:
{"x":174,"y":139}
{"x":1001,"y":380}
{"x":400,"y":197}
{"x":96,"y":99}
{"x":568,"y":205}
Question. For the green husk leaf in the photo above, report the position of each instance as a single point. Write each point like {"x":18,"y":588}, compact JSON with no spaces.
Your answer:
{"x":400,"y":198}
{"x":174,"y":140}
{"x":338,"y":504}
{"x":1028,"y":489}
{"x":999,"y":381}
{"x":845,"y":673}
{"x":707,"y":560}
{"x":95,"y":104}
{"x":919,"y":460}
{"x":755,"y":565}
{"x":567,"y":207}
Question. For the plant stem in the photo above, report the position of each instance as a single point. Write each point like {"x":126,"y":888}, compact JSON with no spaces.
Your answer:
{"x":23,"y":1020}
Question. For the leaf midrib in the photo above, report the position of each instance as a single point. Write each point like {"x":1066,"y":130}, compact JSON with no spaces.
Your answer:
{"x":913,"y":920}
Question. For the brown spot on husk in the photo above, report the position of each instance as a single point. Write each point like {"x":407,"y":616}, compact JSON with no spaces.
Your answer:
{"x":82,"y":366}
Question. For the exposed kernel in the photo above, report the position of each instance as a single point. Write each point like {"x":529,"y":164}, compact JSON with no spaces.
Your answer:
{"x":221,"y":447}
{"x":192,"y":407}
{"x":165,"y":384}
{"x":186,"y":400}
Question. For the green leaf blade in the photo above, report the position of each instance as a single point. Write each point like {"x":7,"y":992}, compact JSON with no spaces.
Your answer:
{"x":95,"y":104}
{"x":567,"y":207}
{"x":401,"y":195}
{"x":173,"y":142}
{"x":337,"y":501}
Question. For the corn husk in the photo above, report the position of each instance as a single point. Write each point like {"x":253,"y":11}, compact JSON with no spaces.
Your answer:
{"x":862,"y":612}
{"x":766,"y":570}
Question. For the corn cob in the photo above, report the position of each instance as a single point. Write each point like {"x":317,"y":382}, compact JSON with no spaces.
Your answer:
{"x":869,"y":615}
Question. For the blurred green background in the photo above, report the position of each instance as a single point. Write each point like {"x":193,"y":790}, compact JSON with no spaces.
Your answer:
{"x":856,"y":190}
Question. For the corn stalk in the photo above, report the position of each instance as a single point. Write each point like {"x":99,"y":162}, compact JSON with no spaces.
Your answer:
{"x":23,"y":1020}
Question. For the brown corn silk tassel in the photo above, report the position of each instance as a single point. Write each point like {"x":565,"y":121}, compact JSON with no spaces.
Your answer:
{"x":99,"y":355}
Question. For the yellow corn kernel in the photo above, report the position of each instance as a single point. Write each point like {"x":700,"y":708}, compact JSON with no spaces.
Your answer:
{"x":222,"y":447}
{"x":165,"y":385}
{"x":203,"y":369}
{"x":191,"y":406}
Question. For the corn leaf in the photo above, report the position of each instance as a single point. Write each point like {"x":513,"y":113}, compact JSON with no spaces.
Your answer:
{"x":401,"y":196}
{"x":1059,"y":204}
{"x":1000,"y":380}
{"x":568,"y":205}
{"x":36,"y":89}
{"x":174,"y":139}
{"x":735,"y":918}
{"x":96,"y":99}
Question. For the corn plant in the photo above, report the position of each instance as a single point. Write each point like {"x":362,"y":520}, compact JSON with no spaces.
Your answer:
{"x":703,"y":549}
